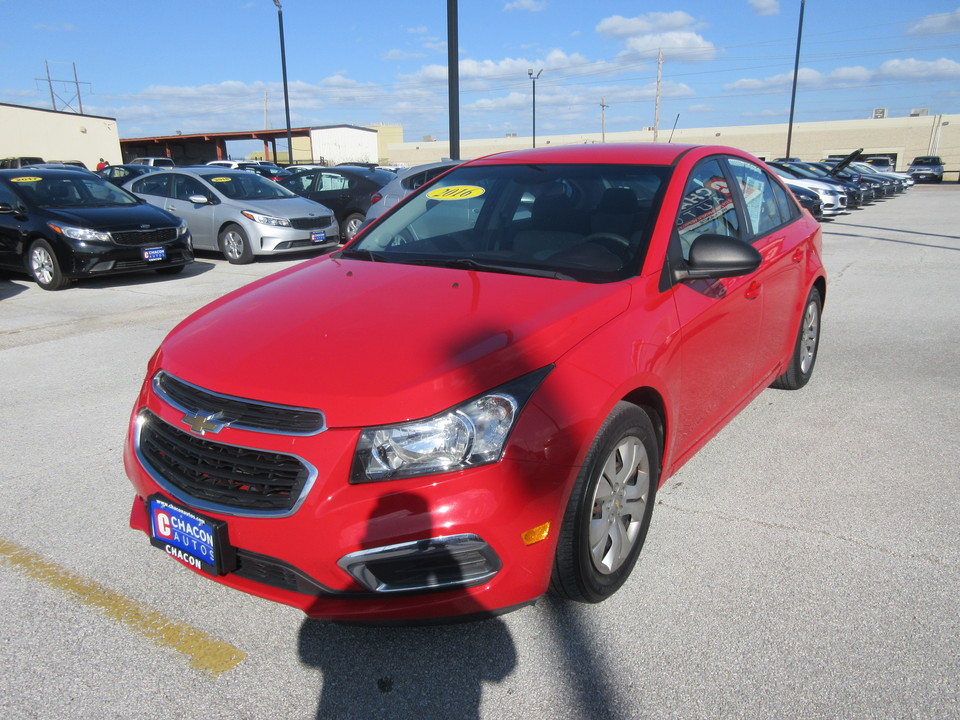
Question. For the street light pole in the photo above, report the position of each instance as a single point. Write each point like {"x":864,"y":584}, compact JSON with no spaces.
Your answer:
{"x":796,"y":69}
{"x":286,"y":97}
{"x":534,"y":78}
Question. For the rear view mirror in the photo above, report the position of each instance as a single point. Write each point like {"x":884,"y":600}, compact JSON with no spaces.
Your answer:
{"x":718,"y":256}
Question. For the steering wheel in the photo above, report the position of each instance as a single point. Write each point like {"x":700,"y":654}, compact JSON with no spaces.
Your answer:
{"x":616,"y":244}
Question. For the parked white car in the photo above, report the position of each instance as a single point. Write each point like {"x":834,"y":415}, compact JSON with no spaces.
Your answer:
{"x":834,"y":200}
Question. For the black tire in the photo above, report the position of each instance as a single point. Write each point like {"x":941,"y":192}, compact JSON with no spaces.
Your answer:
{"x":608,"y":513}
{"x":44,"y":268}
{"x":351,"y":224}
{"x":234,"y":245}
{"x":804,"y":355}
{"x":173,"y":270}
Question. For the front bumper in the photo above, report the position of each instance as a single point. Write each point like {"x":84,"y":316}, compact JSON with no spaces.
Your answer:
{"x":85,"y":259}
{"x":276,"y":240}
{"x":414,"y":549}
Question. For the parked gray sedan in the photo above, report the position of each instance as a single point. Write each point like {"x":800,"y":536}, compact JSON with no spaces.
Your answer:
{"x":239,"y":213}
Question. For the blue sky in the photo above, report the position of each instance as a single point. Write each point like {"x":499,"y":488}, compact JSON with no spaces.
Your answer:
{"x":213,"y":65}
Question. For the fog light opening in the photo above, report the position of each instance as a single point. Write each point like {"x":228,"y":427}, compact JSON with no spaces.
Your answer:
{"x":442,"y":563}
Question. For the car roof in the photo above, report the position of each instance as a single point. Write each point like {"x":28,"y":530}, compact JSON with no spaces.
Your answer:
{"x":44,"y":172}
{"x":606,"y":154}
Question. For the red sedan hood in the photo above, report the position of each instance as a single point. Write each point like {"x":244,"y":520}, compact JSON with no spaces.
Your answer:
{"x":371,"y":343}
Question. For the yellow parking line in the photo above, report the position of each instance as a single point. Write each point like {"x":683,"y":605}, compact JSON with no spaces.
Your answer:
{"x":205,"y":653}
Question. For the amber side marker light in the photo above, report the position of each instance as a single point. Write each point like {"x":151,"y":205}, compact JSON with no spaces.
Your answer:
{"x":537,"y":534}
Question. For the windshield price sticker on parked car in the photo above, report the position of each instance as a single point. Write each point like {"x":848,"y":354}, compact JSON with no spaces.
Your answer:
{"x":26,"y":179}
{"x":456,"y":192}
{"x":151,"y":254}
{"x":220,"y":179}
{"x":193,"y":539}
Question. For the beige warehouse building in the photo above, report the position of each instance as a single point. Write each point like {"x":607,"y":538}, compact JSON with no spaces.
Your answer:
{"x":901,"y":138}
{"x":55,"y":135}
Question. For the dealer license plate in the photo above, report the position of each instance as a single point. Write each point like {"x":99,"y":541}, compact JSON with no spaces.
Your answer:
{"x":318,"y":236}
{"x":152,"y":254}
{"x":194,"y":539}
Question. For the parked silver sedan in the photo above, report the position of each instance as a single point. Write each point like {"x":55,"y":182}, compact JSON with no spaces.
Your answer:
{"x":407,"y":180}
{"x":239,"y":213}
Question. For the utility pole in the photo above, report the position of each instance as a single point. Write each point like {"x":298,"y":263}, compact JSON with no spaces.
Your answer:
{"x":656,"y":111}
{"x":534,"y":79}
{"x":603,"y":119}
{"x":453,"y":78}
{"x":54,"y":97}
{"x":796,"y":69}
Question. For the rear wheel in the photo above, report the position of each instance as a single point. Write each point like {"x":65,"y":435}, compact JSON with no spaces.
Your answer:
{"x":805,"y":350}
{"x":235,"y":246}
{"x":350,"y":226}
{"x":609,"y":510}
{"x":43,"y":266}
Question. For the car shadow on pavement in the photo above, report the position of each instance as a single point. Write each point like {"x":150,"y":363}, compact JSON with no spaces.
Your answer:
{"x":407,"y":672}
{"x":9,"y":289}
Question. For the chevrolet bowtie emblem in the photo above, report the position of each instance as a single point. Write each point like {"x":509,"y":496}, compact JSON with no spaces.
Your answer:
{"x":203,"y":424}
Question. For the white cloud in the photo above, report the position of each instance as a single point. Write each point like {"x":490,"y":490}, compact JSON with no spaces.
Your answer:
{"x":618,"y":26}
{"x":527,"y":5}
{"x":676,"y":46}
{"x":913,"y":70}
{"x":765,"y":7}
{"x":937,"y":24}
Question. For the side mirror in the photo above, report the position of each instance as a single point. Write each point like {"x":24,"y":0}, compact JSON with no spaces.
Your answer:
{"x":718,"y":256}
{"x":6,"y":208}
{"x":199,"y":199}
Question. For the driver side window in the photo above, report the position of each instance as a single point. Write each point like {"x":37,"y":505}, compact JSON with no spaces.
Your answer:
{"x":707,"y":207}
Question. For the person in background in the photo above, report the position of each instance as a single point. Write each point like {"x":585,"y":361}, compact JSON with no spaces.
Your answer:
{"x":102,"y":164}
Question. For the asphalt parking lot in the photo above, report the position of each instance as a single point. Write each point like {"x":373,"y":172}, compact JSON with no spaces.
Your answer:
{"x":805,"y":564}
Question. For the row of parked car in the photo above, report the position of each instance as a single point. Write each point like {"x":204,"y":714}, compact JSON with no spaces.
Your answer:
{"x":834,"y":186}
{"x":61,"y":222}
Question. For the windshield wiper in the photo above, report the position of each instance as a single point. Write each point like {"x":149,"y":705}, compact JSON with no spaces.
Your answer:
{"x":472,"y":264}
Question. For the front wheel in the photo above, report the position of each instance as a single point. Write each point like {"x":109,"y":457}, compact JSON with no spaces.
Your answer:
{"x":44,"y":267}
{"x":235,"y":246}
{"x":804,"y":355}
{"x":608,"y":514}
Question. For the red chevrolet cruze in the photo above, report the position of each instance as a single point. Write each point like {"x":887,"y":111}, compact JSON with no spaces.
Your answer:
{"x":475,"y":401}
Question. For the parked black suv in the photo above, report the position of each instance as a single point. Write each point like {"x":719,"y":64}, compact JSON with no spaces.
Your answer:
{"x":57,"y":225}
{"x":926,"y":168}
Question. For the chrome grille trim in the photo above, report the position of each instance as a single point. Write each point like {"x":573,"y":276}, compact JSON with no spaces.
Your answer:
{"x":238,"y":413}
{"x":176,"y":492}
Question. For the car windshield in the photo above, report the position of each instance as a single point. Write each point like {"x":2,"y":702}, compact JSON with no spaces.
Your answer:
{"x":926,"y":161}
{"x":72,"y":190}
{"x":246,"y":186}
{"x":576,"y":222}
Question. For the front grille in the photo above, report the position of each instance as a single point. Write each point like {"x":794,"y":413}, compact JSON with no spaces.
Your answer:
{"x":237,"y":412}
{"x":144,"y":237}
{"x":216,"y":474}
{"x":311,"y":223}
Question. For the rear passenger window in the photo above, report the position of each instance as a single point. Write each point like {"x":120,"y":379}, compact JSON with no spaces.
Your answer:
{"x":764,"y":201}
{"x":158,"y":184}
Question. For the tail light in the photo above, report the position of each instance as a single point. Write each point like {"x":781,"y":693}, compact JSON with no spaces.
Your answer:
{"x":375,"y":198}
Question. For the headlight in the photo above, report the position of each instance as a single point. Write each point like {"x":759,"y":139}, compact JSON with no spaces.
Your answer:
{"x":182,"y":228}
{"x":468,"y":435}
{"x":266,"y":219}
{"x":83,"y":234}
